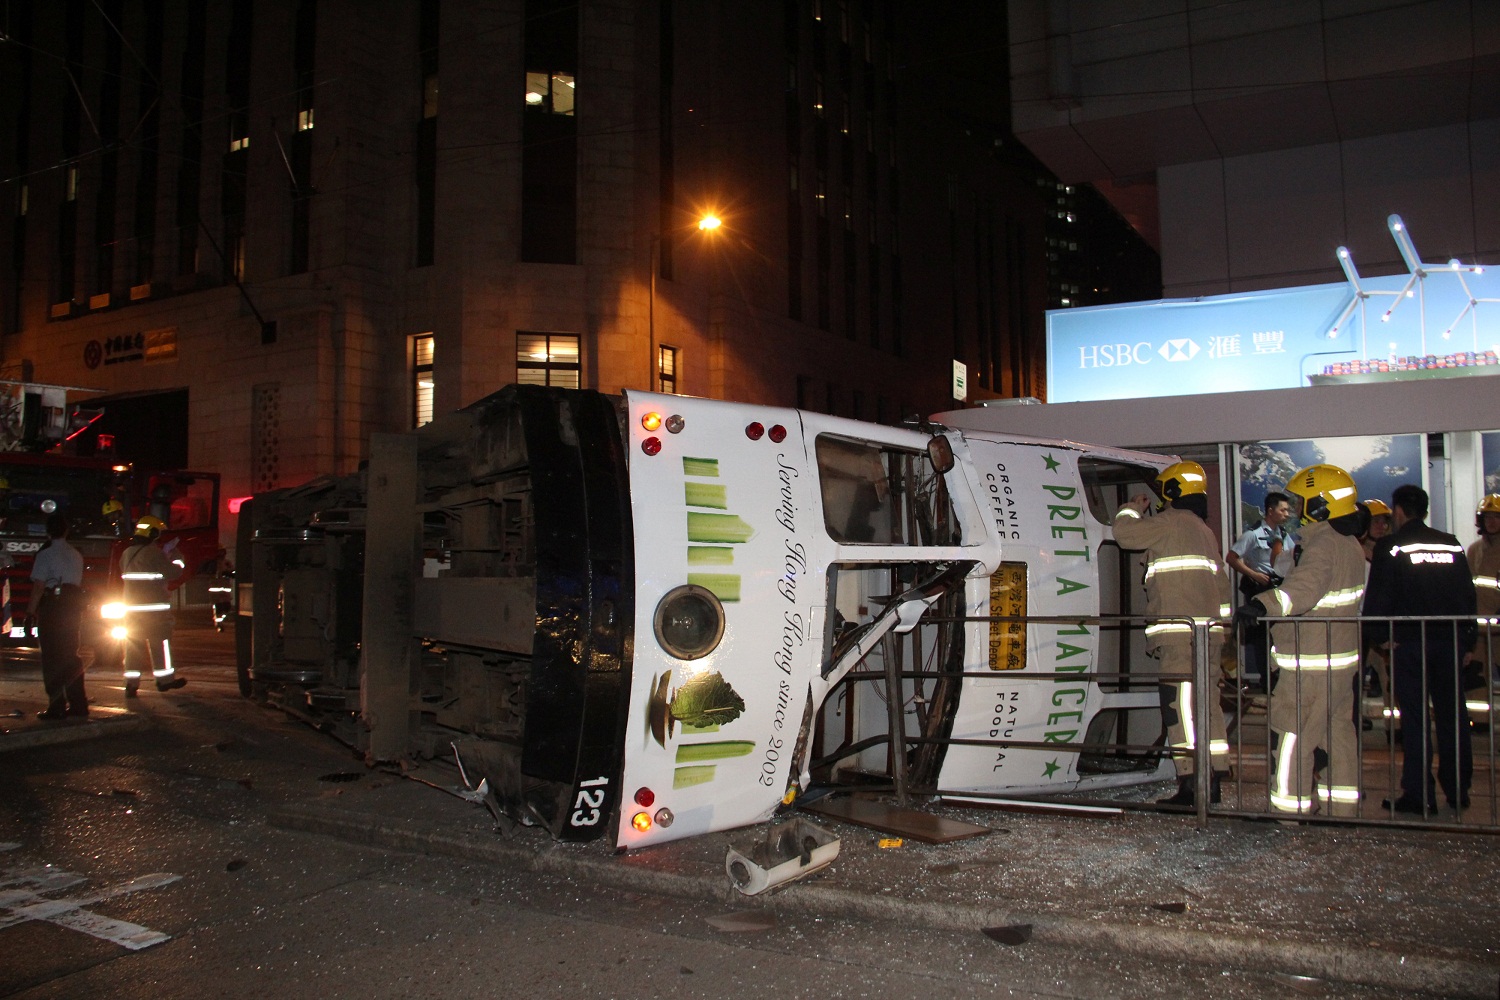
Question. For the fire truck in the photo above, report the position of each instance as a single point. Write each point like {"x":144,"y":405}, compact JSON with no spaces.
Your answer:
{"x":648,"y":617}
{"x":102,"y":497}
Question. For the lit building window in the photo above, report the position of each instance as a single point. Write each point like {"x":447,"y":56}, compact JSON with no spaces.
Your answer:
{"x":547,"y":359}
{"x":430,"y":96}
{"x":550,"y":92}
{"x":421,"y":379}
{"x":666,"y":368}
{"x":304,"y":120}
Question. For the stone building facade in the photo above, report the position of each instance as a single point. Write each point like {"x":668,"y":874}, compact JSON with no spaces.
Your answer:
{"x":311,"y":220}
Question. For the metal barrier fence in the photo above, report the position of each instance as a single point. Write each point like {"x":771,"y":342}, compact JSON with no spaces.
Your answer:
{"x":1350,"y":706}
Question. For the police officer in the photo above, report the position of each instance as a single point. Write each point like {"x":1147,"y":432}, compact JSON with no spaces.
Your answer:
{"x":56,"y":605}
{"x":1184,"y":579}
{"x":1261,"y":556}
{"x":145,"y":572}
{"x":1417,"y":570}
{"x":1312,"y":705}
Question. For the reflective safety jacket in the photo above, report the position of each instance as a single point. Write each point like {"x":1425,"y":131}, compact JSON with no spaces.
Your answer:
{"x":145,"y":571}
{"x":1484,"y":564}
{"x":1185,"y":575}
{"x":1327,"y":582}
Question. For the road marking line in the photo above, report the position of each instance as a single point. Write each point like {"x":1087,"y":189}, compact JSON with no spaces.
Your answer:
{"x":26,"y":904}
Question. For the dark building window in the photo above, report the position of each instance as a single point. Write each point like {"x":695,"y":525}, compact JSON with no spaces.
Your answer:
{"x":549,"y":134}
{"x":233,"y":168}
{"x":109,"y":159}
{"x":19,"y":27}
{"x":188,"y":165}
{"x":70,"y":121}
{"x":896,"y":331}
{"x":851,"y":287}
{"x":794,"y":256}
{"x":148,"y":159}
{"x":825,"y":279}
{"x":426,"y":172}
{"x":666,"y":143}
{"x":304,"y":52}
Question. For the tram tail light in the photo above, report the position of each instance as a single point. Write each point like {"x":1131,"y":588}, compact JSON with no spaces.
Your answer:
{"x":641,"y":821}
{"x":651,"y":421}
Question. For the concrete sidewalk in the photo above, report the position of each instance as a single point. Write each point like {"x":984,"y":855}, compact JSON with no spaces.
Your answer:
{"x":22,"y":696}
{"x":1410,"y":911}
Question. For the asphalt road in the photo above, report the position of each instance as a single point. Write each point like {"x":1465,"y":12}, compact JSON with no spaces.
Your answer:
{"x":143,"y":866}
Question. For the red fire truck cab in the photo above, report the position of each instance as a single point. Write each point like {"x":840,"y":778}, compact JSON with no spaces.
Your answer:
{"x":102,"y":500}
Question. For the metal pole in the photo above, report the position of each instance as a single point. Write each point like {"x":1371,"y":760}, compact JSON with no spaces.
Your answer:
{"x":651,"y":317}
{"x":1202,"y":734}
{"x":895,"y":716}
{"x":389,"y":654}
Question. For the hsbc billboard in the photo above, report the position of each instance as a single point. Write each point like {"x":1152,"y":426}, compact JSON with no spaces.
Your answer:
{"x":1273,"y":339}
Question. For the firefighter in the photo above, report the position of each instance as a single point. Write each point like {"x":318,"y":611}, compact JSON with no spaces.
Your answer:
{"x":145,"y":571}
{"x":1312,"y":706}
{"x":1185,"y":578}
{"x":1484,"y":565}
{"x":113,"y":513}
{"x":1379,"y":514}
{"x":1375,"y":524}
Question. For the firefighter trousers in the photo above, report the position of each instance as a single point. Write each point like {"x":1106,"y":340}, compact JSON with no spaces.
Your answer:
{"x":1179,"y":707}
{"x":1311,"y":709}
{"x":148,"y":647}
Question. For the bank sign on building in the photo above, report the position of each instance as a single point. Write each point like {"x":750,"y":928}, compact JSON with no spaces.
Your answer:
{"x":1437,"y":319}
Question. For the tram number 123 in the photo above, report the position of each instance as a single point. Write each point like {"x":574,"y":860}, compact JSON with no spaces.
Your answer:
{"x":591,"y":795}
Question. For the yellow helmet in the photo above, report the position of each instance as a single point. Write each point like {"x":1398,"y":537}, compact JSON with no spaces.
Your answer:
{"x":112,"y":507}
{"x":1377,"y":508}
{"x":1181,"y":480}
{"x":149,"y":527}
{"x":1489,"y":505}
{"x":1326,"y":492}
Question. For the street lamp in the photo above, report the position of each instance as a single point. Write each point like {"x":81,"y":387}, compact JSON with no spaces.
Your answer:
{"x":707,"y":223}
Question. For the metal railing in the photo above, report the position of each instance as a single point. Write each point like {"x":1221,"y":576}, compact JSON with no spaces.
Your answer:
{"x":1365,"y":720}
